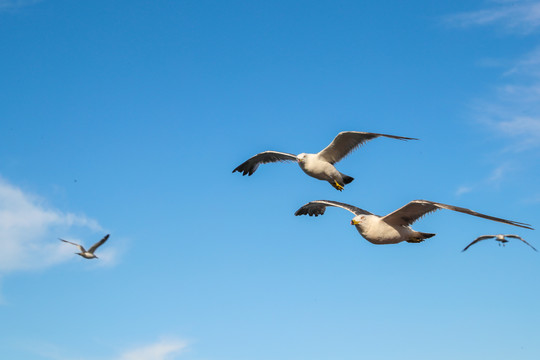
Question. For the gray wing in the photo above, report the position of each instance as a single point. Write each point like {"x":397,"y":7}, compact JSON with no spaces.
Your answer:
{"x":414,"y":210}
{"x":480,"y":238}
{"x":81,"y":248}
{"x":98,"y":244}
{"x":347,"y":141}
{"x":519,"y":238}
{"x":318,"y":207}
{"x":249,"y":166}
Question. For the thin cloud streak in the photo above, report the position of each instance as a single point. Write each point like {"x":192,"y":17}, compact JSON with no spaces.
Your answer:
{"x":522,"y":17}
{"x":15,"y":4}
{"x":161,"y":350}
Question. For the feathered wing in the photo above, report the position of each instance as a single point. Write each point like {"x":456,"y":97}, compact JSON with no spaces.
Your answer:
{"x":346,"y":141}
{"x":414,"y":210}
{"x":81,"y":248}
{"x":318,"y":207}
{"x":98,"y":244}
{"x":519,"y":238}
{"x":250,"y":166}
{"x":480,"y":238}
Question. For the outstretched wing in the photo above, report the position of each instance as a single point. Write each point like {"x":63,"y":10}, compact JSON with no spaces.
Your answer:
{"x":480,"y":238}
{"x":248,"y":167}
{"x":318,"y":207}
{"x":98,"y":244}
{"x":347,"y":141}
{"x":519,"y":238}
{"x":414,"y":210}
{"x":81,"y":248}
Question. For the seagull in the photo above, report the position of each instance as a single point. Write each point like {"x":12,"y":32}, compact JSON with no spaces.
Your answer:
{"x":501,"y":238}
{"x":394,"y":227}
{"x":320,"y":165}
{"x":90,"y":253}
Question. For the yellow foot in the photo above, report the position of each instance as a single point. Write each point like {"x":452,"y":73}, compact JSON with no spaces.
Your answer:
{"x":337,"y":186}
{"x":415,"y":240}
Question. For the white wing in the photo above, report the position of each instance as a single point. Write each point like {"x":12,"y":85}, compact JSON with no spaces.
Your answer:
{"x":519,"y":238}
{"x":347,"y":141}
{"x":250,"y":166}
{"x":414,"y":210}
{"x":98,"y":244}
{"x":480,"y":238}
{"x":81,"y":248}
{"x":318,"y":207}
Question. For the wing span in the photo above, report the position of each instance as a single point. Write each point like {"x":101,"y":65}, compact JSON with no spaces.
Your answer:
{"x":480,"y":238}
{"x":318,"y":207}
{"x":250,"y":166}
{"x":98,"y":244}
{"x":414,"y":210}
{"x":347,"y":141}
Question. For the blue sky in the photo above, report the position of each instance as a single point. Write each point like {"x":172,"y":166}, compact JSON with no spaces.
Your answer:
{"x":127,"y":118}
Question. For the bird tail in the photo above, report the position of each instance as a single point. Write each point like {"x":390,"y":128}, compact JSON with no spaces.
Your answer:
{"x":426,"y":235}
{"x":347,"y":179}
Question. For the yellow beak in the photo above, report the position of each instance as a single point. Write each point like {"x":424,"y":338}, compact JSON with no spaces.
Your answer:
{"x":355,"y":222}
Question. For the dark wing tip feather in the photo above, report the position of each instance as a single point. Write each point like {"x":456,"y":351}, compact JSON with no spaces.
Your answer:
{"x":311,"y":209}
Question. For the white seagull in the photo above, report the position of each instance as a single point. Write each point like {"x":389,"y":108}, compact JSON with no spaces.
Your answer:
{"x":321,"y":165}
{"x":501,"y":238}
{"x":394,"y":227}
{"x":90,"y":253}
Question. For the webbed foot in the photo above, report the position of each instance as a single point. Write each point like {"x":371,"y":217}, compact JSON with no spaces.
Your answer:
{"x":337,"y":186}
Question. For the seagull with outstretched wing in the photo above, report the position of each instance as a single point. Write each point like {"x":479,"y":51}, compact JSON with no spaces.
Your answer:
{"x":88,"y":254}
{"x":320,"y":165}
{"x":396,"y":226}
{"x":501,"y":238}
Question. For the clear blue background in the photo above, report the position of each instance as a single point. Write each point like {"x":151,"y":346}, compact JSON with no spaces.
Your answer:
{"x":134,"y":113}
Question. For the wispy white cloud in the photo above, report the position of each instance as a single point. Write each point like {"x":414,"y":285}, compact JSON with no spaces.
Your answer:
{"x":15,"y":4}
{"x":493,"y":180}
{"x":513,"y":110}
{"x":167,"y":349}
{"x":519,"y":16}
{"x":29,"y":231}
{"x":463,"y":190}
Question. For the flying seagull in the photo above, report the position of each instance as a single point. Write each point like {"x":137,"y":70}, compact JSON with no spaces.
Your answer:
{"x":394,"y":227}
{"x":321,"y":165}
{"x":90,"y":253}
{"x":501,"y":238}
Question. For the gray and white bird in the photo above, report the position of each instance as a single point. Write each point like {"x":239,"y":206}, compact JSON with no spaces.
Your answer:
{"x":88,"y":254}
{"x":320,"y":165}
{"x":394,"y":227}
{"x":501,"y":238}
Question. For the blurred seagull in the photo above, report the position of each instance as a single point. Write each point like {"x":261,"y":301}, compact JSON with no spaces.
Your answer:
{"x":394,"y":227}
{"x":321,"y":165}
{"x":90,"y":253}
{"x":501,"y":238}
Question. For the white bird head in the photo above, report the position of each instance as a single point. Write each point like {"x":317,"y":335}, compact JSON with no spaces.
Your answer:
{"x":359,"y":220}
{"x":302,"y":157}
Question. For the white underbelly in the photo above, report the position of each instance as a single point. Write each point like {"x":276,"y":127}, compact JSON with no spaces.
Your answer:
{"x":320,"y":170}
{"x":384,"y":234}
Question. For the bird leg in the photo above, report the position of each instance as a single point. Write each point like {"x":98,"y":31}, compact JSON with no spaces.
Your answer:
{"x":337,"y":186}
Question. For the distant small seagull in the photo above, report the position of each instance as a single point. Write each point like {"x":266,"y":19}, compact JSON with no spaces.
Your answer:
{"x":90,"y":253}
{"x":501,"y":238}
{"x":394,"y":227}
{"x":321,"y":165}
